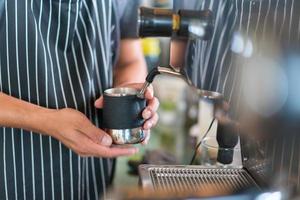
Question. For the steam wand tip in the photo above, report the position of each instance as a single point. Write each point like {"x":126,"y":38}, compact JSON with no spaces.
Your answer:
{"x":149,"y":79}
{"x":141,"y":93}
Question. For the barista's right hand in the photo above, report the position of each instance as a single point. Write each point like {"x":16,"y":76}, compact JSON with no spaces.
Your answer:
{"x":75,"y":131}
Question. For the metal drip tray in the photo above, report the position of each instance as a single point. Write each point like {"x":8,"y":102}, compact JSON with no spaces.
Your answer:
{"x":182,"y":178}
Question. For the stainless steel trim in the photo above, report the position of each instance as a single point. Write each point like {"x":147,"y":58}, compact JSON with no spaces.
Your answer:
{"x":120,"y":92}
{"x":170,"y":70}
{"x":141,"y":93}
{"x":127,"y":136}
{"x":190,"y":177}
{"x":209,"y":94}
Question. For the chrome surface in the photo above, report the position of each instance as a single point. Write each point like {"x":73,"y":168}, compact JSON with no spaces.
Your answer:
{"x":169,"y":70}
{"x":209,"y":94}
{"x":127,"y":136}
{"x":162,"y":70}
{"x":175,"y":72}
{"x":182,"y":74}
{"x":120,"y":92}
{"x":188,"y":177}
{"x":141,"y":93}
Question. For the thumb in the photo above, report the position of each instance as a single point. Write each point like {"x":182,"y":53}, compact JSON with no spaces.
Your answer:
{"x":105,"y":139}
{"x":99,"y":102}
{"x":98,"y":136}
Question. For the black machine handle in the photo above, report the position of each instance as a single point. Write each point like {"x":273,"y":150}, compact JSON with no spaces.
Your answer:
{"x":227,"y":137}
{"x":156,"y":22}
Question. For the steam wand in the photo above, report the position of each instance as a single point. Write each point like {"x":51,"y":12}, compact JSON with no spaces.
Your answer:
{"x":163,"y":70}
{"x":215,"y":96}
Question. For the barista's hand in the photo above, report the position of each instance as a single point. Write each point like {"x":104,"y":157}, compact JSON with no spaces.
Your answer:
{"x":149,"y":113}
{"x":75,"y":131}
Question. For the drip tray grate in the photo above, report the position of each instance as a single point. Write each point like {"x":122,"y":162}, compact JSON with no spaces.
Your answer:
{"x":192,"y":178}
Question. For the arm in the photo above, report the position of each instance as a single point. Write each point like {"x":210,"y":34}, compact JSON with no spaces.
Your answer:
{"x":69,"y":126}
{"x":21,"y":114}
{"x":131,"y":66}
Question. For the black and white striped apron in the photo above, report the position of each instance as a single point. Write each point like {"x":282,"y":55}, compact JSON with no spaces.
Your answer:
{"x":57,"y":54}
{"x":211,"y":64}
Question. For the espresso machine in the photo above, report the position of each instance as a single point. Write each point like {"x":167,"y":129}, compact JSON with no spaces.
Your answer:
{"x":267,"y":141}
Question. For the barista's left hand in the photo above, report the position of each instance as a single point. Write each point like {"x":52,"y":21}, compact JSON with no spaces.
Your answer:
{"x":149,"y":113}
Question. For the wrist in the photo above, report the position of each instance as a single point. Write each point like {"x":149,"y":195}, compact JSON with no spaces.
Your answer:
{"x":42,"y":120}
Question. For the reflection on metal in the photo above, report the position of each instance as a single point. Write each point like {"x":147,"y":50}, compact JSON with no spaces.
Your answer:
{"x":141,"y":93}
{"x":242,"y":45}
{"x":120,"y":92}
{"x":181,"y":178}
{"x":209,"y":94}
{"x":127,"y":136}
{"x":270,"y":196}
{"x":179,"y":74}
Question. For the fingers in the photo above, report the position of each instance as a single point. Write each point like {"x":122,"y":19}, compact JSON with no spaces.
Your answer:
{"x":100,"y":144}
{"x":117,"y":151}
{"x":153,"y":104}
{"x":97,"y":150}
{"x":85,"y":147}
{"x":147,"y":138}
{"x":150,"y":114}
{"x":147,"y":113}
{"x":97,"y":135}
{"x":151,"y":108}
{"x":151,"y":122}
{"x":79,"y":134}
{"x":105,"y":139}
{"x":99,"y":102}
{"x":149,"y":93}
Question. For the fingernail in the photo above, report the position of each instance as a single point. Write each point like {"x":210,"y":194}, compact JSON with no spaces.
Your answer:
{"x":106,"y":140}
{"x":147,"y":114}
{"x":148,"y":125}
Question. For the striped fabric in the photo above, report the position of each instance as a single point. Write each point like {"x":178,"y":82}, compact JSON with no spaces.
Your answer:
{"x":56,"y":54}
{"x":213,"y":65}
